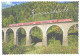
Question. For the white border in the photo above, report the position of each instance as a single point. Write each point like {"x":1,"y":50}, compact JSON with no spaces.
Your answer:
{"x":36,"y":54}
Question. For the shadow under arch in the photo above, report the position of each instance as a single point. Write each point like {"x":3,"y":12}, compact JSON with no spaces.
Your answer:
{"x":2,"y":35}
{"x":36,"y":35}
{"x":54,"y":33}
{"x":10,"y":36}
{"x":21,"y":36}
{"x":73,"y":35}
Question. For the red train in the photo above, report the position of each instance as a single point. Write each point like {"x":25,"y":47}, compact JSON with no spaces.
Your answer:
{"x":41,"y":22}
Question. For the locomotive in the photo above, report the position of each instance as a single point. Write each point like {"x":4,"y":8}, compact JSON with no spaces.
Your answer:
{"x":41,"y":22}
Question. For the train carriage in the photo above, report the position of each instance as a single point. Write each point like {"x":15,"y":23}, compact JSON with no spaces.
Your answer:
{"x":41,"y":22}
{"x":64,"y":20}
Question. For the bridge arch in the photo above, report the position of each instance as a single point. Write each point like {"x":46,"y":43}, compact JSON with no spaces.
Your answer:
{"x":51,"y":26}
{"x":73,"y":35}
{"x":9,"y":35}
{"x":21,"y":36}
{"x":37,"y":36}
{"x":54,"y":32}
{"x":75,"y":26}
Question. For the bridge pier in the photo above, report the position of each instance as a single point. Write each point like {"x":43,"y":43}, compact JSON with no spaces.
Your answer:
{"x":15,"y":38}
{"x":5,"y":37}
{"x":65,"y":38}
{"x":44,"y":41}
{"x":28,"y":39}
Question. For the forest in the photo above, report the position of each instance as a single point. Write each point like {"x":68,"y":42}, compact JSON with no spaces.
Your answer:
{"x":23,"y":13}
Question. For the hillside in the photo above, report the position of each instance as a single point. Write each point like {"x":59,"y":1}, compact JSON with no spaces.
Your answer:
{"x":23,"y":12}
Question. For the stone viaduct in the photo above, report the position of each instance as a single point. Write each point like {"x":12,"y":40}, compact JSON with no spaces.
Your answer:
{"x":44,"y":27}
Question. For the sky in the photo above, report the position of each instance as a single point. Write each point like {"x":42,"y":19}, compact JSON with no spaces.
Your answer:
{"x":9,"y":4}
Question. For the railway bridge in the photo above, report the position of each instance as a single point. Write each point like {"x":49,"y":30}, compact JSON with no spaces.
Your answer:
{"x":44,"y":27}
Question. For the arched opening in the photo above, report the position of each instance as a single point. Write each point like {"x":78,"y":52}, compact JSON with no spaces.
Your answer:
{"x":54,"y":35}
{"x":36,"y":35}
{"x":73,"y":36}
{"x":2,"y":36}
{"x":10,"y":36}
{"x":21,"y":36}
